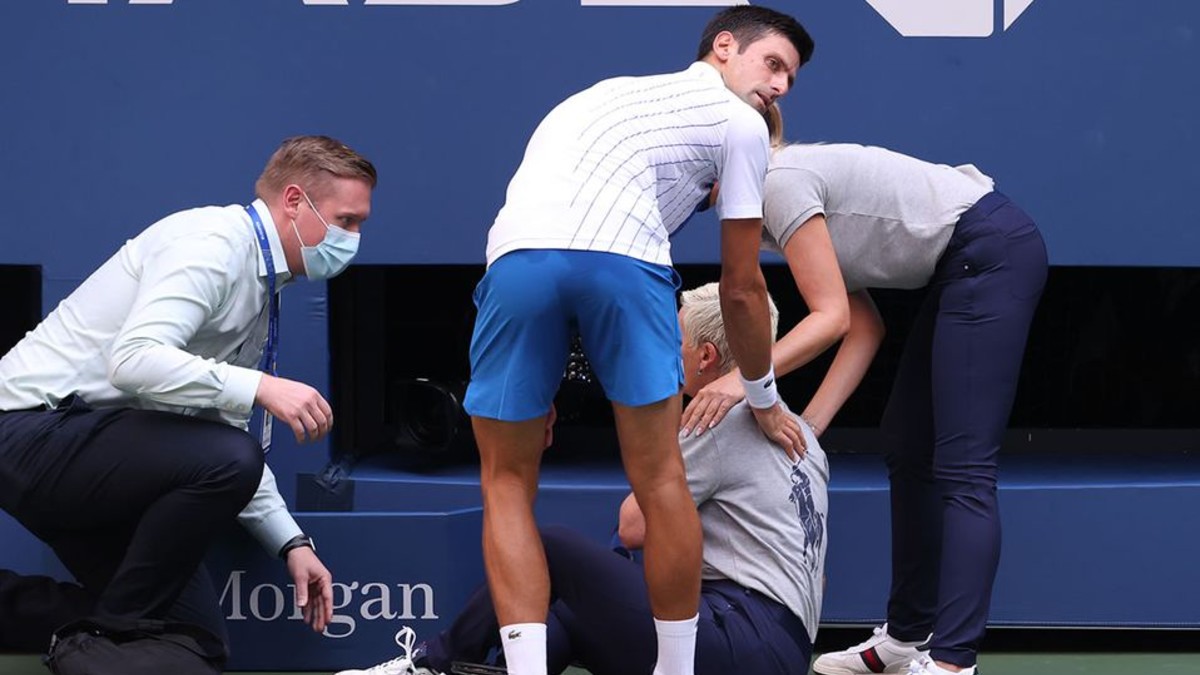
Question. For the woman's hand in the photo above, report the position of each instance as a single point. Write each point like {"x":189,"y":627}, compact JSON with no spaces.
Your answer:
{"x":711,"y":404}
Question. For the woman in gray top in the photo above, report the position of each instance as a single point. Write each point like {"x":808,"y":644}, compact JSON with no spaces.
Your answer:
{"x":892,"y":221}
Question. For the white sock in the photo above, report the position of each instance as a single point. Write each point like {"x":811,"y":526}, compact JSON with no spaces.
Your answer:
{"x":676,"y":646}
{"x":524,"y":648}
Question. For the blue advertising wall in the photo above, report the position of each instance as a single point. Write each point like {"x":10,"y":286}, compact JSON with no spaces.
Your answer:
{"x":114,"y":114}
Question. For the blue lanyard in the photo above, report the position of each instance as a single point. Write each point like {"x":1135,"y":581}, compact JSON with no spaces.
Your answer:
{"x":267,"y":364}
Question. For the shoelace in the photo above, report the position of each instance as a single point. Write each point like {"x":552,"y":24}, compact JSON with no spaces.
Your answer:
{"x":917,"y":666}
{"x":877,"y":634}
{"x":406,"y":639}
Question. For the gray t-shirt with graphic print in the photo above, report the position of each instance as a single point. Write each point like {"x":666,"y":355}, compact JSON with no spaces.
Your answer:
{"x":890,"y":215}
{"x":763,"y":515}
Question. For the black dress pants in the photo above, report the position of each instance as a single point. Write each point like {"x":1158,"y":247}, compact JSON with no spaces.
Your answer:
{"x":129,"y":500}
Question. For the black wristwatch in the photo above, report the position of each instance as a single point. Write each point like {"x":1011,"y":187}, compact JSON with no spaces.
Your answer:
{"x":296,"y":542}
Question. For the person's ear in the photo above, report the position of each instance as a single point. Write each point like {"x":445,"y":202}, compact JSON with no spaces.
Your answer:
{"x":724,"y":45}
{"x":293,"y":195}
{"x":709,"y":356}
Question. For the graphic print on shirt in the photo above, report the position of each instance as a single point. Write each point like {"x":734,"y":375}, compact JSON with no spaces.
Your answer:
{"x":811,"y":520}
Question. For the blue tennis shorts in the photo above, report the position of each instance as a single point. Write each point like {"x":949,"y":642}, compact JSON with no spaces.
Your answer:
{"x":530,"y":304}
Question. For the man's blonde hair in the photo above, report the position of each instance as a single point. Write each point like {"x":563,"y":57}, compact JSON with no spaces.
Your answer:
{"x":310,"y":161}
{"x":702,"y":322}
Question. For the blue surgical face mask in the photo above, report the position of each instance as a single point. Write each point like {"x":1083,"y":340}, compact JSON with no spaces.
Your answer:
{"x":331,"y":255}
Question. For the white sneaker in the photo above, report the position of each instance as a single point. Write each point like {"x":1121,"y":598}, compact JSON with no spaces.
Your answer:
{"x":881,"y":653}
{"x":925,"y":666}
{"x":402,"y":665}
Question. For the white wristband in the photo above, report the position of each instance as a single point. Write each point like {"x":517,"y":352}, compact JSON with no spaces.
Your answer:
{"x":761,"y":393}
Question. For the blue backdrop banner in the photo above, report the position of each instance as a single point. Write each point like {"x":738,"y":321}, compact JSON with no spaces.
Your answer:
{"x":118,"y":112}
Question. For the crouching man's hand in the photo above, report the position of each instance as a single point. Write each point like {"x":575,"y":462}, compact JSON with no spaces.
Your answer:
{"x":314,"y":586}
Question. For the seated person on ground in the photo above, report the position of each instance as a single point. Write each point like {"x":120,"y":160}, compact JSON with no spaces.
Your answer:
{"x":763,"y":515}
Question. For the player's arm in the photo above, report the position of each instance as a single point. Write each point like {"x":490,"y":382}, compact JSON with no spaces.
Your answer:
{"x":743,"y":290}
{"x":747,"y":320}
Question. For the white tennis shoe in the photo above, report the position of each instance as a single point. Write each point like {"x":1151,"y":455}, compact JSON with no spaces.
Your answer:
{"x":881,"y":653}
{"x":401,"y":665}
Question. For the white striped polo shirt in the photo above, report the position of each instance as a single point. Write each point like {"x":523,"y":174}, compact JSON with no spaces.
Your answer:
{"x":620,"y":166}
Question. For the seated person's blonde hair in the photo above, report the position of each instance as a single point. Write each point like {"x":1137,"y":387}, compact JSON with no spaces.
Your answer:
{"x":701,"y":317}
